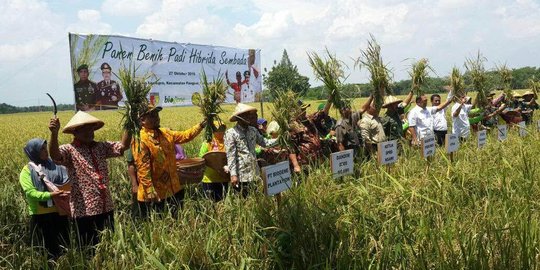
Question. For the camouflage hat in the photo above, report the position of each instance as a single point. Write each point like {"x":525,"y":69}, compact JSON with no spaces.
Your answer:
{"x":81,"y":67}
{"x":105,"y":66}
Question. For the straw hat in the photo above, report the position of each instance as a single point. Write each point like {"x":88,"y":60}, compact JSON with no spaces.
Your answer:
{"x":150,"y":108}
{"x":216,"y":161}
{"x":272,"y":127}
{"x":80,"y":119}
{"x":389,"y":100}
{"x":516,"y":94}
{"x":528,"y":93}
{"x":240,"y":109}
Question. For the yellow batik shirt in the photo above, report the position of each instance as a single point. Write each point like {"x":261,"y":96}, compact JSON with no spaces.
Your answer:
{"x":156,"y":163}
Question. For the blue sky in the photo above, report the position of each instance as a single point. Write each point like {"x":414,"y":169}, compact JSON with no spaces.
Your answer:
{"x":34,"y":52}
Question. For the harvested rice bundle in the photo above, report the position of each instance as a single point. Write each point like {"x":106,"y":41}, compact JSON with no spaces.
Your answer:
{"x":534,"y":84}
{"x":213,"y":95}
{"x":478,"y":76}
{"x":456,"y":83}
{"x":330,"y":71}
{"x":380,"y":74}
{"x":285,"y":109}
{"x":136,"y":89}
{"x":419,"y":74}
{"x":505,"y":75}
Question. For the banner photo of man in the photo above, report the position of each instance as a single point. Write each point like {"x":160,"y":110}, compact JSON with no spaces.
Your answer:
{"x":97,"y":59}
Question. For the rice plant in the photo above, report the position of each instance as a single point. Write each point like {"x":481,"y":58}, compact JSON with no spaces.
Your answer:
{"x":213,"y":95}
{"x":419,"y":74}
{"x":505,"y":77}
{"x":285,"y":109}
{"x":89,"y":53}
{"x":456,"y":83}
{"x":329,"y":70}
{"x":379,"y":73}
{"x":477,"y":73}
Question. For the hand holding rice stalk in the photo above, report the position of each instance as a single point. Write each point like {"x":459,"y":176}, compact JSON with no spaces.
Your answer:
{"x":213,"y":95}
{"x":136,"y":89}
{"x":285,"y":109}
{"x":505,"y":75}
{"x":330,"y":71}
{"x":380,"y":74}
{"x":534,"y":85}
{"x":419,"y":74}
{"x":457,"y":84}
{"x":477,"y":72}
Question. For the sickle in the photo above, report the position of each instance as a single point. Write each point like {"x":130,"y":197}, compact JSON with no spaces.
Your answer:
{"x":55,"y":110}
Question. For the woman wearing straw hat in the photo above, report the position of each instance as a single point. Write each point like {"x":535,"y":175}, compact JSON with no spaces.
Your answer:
{"x":155,"y":160}
{"x":47,"y":226}
{"x":215,"y":181}
{"x":240,"y":142}
{"x":86,"y":161}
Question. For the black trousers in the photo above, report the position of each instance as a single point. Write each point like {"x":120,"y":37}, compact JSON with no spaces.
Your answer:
{"x":89,"y":227}
{"x":245,"y":188}
{"x":173,"y":203}
{"x":215,"y":191}
{"x":440,"y":136}
{"x":51,"y":231}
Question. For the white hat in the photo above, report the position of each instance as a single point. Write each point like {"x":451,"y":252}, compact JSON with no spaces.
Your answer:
{"x":388,"y":100}
{"x":80,"y":119}
{"x":272,"y":127}
{"x":240,"y":109}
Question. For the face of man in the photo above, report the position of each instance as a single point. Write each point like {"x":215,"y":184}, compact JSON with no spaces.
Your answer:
{"x":247,"y":77}
{"x":238,"y":76}
{"x":83,"y":74}
{"x":248,"y":118}
{"x":423,"y":102}
{"x":436,"y":101}
{"x":106,"y":74}
{"x":151,"y":120}
{"x":528,"y":98}
{"x":345,"y":112}
{"x":85,"y":134}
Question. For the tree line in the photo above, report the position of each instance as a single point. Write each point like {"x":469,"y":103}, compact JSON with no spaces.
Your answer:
{"x":6,"y":108}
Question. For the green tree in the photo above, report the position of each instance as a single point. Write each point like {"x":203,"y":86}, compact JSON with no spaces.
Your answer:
{"x":284,"y":76}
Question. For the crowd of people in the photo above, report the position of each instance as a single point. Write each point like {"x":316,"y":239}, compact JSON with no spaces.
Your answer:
{"x":248,"y":145}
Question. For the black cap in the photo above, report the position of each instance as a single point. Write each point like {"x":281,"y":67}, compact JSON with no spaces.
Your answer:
{"x":81,"y":67}
{"x":105,"y":66}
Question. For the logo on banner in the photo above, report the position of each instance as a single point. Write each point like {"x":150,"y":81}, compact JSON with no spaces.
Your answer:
{"x":154,"y":99}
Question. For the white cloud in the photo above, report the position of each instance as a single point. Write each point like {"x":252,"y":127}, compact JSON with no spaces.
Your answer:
{"x":129,"y":7}
{"x":90,"y":22}
{"x":20,"y":51}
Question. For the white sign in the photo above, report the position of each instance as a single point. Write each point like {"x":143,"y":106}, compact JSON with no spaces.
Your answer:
{"x":276,"y":178}
{"x":387,"y":152}
{"x":522,"y":130}
{"x":452,"y":143}
{"x":342,"y":163}
{"x":502,"y":132}
{"x":482,"y":138}
{"x":177,"y":68}
{"x":538,"y":125}
{"x":428,"y":146}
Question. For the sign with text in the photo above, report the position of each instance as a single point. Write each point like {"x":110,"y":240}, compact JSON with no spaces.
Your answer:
{"x":502,"y":132}
{"x":482,"y":138}
{"x":522,"y":129}
{"x":342,"y":163}
{"x":276,"y":178}
{"x":96,"y":61}
{"x":428,"y":146}
{"x":451,"y":143}
{"x":387,"y":152}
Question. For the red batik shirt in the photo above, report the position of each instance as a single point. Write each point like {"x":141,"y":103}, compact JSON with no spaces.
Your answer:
{"x":89,"y":173}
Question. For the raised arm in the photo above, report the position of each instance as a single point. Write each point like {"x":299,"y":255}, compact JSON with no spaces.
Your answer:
{"x":126,"y":140}
{"x":366,"y":105}
{"x":408,"y":99}
{"x":54,"y":150}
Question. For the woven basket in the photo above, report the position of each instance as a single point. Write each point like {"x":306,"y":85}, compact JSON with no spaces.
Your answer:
{"x":216,"y":161}
{"x":190,"y":170}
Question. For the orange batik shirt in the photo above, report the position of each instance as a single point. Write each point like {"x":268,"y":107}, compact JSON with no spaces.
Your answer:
{"x":156,"y":162}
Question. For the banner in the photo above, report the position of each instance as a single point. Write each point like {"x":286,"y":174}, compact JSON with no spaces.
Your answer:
{"x":96,"y":60}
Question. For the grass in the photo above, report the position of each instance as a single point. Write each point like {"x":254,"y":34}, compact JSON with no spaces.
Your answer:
{"x":479,"y":212}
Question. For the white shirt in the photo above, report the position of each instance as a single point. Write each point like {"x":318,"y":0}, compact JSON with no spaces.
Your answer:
{"x":439,"y":119}
{"x":422,"y":121}
{"x":460,"y":124}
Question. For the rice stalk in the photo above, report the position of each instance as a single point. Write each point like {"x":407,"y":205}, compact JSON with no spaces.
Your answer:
{"x":329,"y":70}
{"x":505,"y":75}
{"x":88,"y":54}
{"x":371,"y":59}
{"x":534,"y":84}
{"x":419,"y":73}
{"x":136,"y":89}
{"x":213,"y":95}
{"x":285,"y":109}
{"x":457,"y":83}
{"x":477,"y":73}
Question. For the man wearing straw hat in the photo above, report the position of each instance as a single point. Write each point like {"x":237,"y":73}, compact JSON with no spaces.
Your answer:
{"x":86,"y":161}
{"x":240,"y":142}
{"x":155,"y":159}
{"x":392,"y":123}
{"x":528,"y":105}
